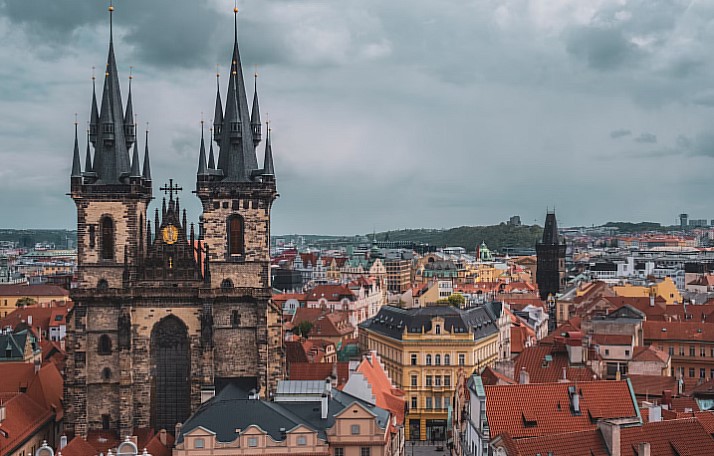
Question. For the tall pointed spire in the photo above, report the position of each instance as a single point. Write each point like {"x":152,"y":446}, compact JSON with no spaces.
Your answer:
{"x":268,"y":167}
{"x":211,"y":159}
{"x":237,"y":159}
{"x":202,"y":169}
{"x":147,"y":166}
{"x":550,"y":231}
{"x":255,"y":114}
{"x":111,"y":158}
{"x":76,"y":164}
{"x":94,"y":116}
{"x":129,"y":125}
{"x":135,"y":168}
{"x":88,"y":158}
{"x":218,"y":115}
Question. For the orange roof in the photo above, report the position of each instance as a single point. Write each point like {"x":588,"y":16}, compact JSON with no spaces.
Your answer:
{"x":679,"y":437}
{"x":42,"y":317}
{"x":283,"y":297}
{"x":652,"y":385}
{"x":325,"y":323}
{"x":530,"y":410}
{"x":386,"y":395}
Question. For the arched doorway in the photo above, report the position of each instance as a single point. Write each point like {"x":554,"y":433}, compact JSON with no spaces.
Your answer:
{"x":171,"y":366}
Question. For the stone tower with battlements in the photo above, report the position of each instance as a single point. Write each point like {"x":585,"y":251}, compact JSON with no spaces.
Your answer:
{"x":168,"y":311}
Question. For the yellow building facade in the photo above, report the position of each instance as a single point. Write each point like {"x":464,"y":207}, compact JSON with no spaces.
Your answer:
{"x":666,"y":289}
{"x":423,"y":350}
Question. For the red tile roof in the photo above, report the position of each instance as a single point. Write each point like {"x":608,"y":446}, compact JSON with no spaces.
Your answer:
{"x":668,"y":438}
{"x":678,"y":330}
{"x":530,"y":410}
{"x":612,"y":339}
{"x":320,"y":371}
{"x":542,"y":371}
{"x":78,"y":447}
{"x":649,"y":354}
{"x":490,"y":376}
{"x":325,"y":323}
{"x":577,"y":443}
{"x":33,"y":291}
{"x":652,"y":385}
{"x":330,"y":293}
{"x":23,"y":418}
{"x":41,"y":318}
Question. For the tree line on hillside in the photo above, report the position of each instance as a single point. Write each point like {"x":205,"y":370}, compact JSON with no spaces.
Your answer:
{"x":496,"y":237}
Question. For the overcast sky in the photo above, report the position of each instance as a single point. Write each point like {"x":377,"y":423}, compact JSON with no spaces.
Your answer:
{"x":385,"y":114}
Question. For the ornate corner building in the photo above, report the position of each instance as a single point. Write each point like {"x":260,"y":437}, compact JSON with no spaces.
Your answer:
{"x":167,"y":311}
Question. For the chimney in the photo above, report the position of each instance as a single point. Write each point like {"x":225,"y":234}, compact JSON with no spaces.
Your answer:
{"x":611,"y":434}
{"x":38,"y":365}
{"x":565,"y":374}
{"x":207,"y":392}
{"x":324,"y":405}
{"x":655,"y":413}
{"x":643,"y":449}
{"x":178,"y":429}
{"x":29,"y":320}
{"x":524,"y":377}
{"x":63,"y":442}
{"x":2,"y":412}
{"x":667,"y":398}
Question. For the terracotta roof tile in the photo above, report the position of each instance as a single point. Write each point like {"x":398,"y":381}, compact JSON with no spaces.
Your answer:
{"x":78,"y":447}
{"x":548,"y":406}
{"x":319,"y":371}
{"x":678,"y":330}
{"x":649,"y":354}
{"x":577,"y":443}
{"x":668,"y":438}
{"x":386,"y":395}
{"x":542,"y":371}
{"x":652,"y":385}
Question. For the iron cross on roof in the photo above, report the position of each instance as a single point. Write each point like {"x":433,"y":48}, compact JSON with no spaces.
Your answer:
{"x":170,"y":189}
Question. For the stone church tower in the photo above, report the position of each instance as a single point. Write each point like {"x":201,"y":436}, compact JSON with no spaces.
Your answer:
{"x":166,"y":311}
{"x":550,"y":272}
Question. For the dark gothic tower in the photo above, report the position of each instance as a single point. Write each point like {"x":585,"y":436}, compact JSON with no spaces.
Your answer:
{"x":165,"y":311}
{"x":550,"y":272}
{"x":112,"y":200}
{"x":237,"y":196}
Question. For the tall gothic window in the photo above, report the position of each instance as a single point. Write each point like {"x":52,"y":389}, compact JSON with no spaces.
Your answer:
{"x":105,"y":345}
{"x":107,"y":239}
{"x":235,"y":235}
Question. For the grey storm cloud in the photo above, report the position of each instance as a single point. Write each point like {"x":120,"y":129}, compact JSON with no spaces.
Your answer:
{"x":385,"y":114}
{"x":615,"y":134}
{"x":646,"y":138}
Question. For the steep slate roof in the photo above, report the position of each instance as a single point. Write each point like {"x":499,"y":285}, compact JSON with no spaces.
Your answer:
{"x":13,"y":344}
{"x":548,"y":407}
{"x":220,"y":415}
{"x":392,"y":321}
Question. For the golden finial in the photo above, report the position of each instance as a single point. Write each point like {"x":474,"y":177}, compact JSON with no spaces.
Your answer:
{"x":94,"y":76}
{"x":255,"y":74}
{"x":147,"y":128}
{"x":202,"y":119}
{"x":235,"y":7}
{"x":131,"y":73}
{"x":218,"y":73}
{"x":111,"y":7}
{"x":75,"y":120}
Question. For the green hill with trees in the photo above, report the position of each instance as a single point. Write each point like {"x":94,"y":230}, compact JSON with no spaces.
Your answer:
{"x":496,"y":237}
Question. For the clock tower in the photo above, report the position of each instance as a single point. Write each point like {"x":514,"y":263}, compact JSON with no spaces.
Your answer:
{"x":166,"y":311}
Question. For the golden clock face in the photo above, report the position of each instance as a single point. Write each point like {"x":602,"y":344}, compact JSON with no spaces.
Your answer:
{"x":170,"y":234}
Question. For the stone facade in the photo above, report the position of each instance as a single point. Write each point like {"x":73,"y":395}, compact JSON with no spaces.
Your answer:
{"x":163,"y":313}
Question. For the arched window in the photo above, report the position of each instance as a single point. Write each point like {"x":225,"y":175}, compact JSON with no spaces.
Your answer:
{"x":107,"y":239}
{"x":235,"y":235}
{"x":437,"y":360}
{"x":438,"y":329}
{"x":447,"y":360}
{"x":428,"y":360}
{"x":106,"y":374}
{"x":105,"y":345}
{"x":102,"y":284}
{"x":226,"y":284}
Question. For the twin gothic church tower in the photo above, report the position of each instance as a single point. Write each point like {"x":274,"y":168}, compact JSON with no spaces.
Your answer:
{"x":166,"y":311}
